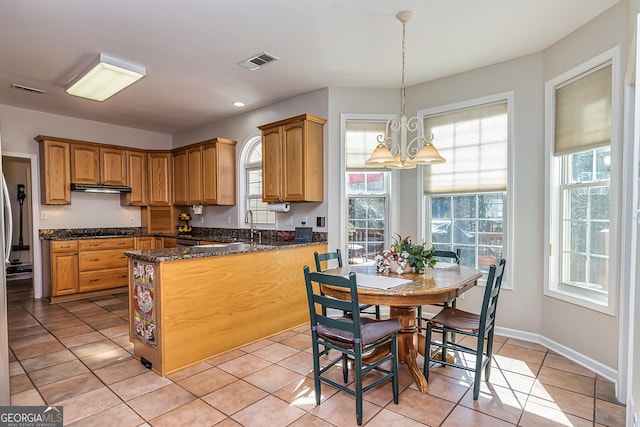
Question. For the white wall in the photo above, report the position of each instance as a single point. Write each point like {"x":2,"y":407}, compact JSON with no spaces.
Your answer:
{"x":572,"y":325}
{"x":20,"y":127}
{"x":245,"y":126}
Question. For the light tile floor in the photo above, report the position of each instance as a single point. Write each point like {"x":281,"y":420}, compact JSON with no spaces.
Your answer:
{"x":78,"y":355}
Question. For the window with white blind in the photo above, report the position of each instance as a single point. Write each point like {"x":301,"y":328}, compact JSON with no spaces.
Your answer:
{"x":581,"y":185}
{"x":253,"y":179}
{"x":466,"y":197}
{"x":367,"y":191}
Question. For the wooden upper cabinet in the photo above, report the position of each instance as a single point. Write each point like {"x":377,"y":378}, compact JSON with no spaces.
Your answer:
{"x":85,"y":166}
{"x":194,"y":176}
{"x":180,"y":177}
{"x":113,"y":166}
{"x":137,"y":179}
{"x":55,"y":171}
{"x":95,"y":164}
{"x":160,"y":172}
{"x":219,"y":171}
{"x":292,"y":166}
{"x":205,"y":173}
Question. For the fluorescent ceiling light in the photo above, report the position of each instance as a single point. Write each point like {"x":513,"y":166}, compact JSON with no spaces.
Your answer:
{"x":104,"y":77}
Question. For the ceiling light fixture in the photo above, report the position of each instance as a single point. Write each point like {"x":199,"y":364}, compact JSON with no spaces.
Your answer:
{"x":104,"y":77}
{"x":238,"y":104}
{"x":404,"y":155}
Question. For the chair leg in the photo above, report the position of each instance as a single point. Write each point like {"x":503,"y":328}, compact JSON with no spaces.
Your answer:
{"x":345,"y":368}
{"x":445,"y":342}
{"x":419,"y":316}
{"x":427,"y":351}
{"x":378,"y":312}
{"x":394,"y":351}
{"x":479,"y":363}
{"x":487,"y":368}
{"x":358,"y":388}
{"x":316,"y":367}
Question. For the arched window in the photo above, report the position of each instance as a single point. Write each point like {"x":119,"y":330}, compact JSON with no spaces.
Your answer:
{"x":253,"y":181}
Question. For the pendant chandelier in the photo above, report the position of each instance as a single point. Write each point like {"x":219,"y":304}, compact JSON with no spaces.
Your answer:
{"x":395,"y":154}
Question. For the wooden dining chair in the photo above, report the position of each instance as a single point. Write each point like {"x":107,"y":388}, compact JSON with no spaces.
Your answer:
{"x":450,"y":256}
{"x":479,"y":326}
{"x":337,"y":255}
{"x":352,"y":336}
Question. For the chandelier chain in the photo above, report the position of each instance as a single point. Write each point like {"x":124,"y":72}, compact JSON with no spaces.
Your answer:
{"x":404,"y":98}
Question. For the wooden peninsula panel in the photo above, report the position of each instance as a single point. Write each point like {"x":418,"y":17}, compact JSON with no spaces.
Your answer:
{"x":207,"y":306}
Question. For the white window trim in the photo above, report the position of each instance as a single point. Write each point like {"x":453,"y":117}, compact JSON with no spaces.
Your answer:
{"x":553,"y":169}
{"x":242,"y":185}
{"x":392,"y":205}
{"x":507,"y":218}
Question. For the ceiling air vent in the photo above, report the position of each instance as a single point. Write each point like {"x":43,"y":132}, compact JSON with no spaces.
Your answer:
{"x":257,"y":61}
{"x":27,"y":88}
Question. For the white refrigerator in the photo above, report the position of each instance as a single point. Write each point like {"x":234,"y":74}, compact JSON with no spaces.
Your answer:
{"x":5,"y":230}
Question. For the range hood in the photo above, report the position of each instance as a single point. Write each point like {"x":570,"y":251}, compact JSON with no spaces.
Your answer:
{"x":93,"y":188}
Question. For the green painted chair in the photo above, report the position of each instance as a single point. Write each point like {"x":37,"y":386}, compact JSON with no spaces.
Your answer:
{"x":337,"y":255}
{"x":352,"y":336}
{"x":480,"y":326}
{"x":448,"y":256}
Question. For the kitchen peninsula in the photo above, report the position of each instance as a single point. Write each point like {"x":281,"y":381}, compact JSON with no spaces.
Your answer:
{"x":189,"y":304}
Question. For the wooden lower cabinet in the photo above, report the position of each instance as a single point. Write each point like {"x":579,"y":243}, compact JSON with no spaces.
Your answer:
{"x":145,"y":243}
{"x":64,"y":268}
{"x":76,"y":269}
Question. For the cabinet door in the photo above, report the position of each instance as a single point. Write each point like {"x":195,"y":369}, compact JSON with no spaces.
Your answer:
{"x":226,"y":173}
{"x":113,"y":166}
{"x":158,"y":243}
{"x":293,"y":161}
{"x":180,"y":177}
{"x":85,"y":164}
{"x":55,"y":172}
{"x":159,"y":179}
{"x":64,"y":273}
{"x":272,"y":165}
{"x":194,"y":182}
{"x":210,"y":174}
{"x":143,"y":243}
{"x":137,"y":176}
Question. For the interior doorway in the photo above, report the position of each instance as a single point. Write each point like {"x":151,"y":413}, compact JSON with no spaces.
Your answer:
{"x":20,"y":172}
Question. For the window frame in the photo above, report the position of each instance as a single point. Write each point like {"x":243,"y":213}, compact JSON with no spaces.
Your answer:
{"x":247,"y":167}
{"x":507,"y":217}
{"x":554,"y":170}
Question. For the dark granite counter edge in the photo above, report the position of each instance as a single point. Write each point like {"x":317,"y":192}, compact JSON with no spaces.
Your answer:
{"x":175,"y":254}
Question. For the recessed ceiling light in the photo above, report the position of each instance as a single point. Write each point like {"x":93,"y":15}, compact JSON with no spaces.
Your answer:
{"x":238,"y":104}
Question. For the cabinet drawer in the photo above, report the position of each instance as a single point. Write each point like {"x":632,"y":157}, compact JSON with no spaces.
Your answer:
{"x":91,"y":281}
{"x":102,"y":260}
{"x":64,"y":245}
{"x":123,"y":243}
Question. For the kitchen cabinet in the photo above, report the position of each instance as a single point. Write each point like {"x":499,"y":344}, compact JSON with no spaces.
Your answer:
{"x":180,"y":178}
{"x":194,"y":175}
{"x":96,"y":164}
{"x":170,"y":242}
{"x":144,"y":243}
{"x":137,"y":175}
{"x":219,"y":171}
{"x":64,"y":267}
{"x":205,"y":173}
{"x":292,"y":166}
{"x":160,"y":173}
{"x":158,"y":243}
{"x":55,"y":171}
{"x":102,"y":263}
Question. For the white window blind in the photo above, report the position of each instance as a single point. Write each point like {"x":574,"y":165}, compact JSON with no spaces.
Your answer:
{"x":474,"y":143}
{"x":583,"y":112}
{"x":360,"y":141}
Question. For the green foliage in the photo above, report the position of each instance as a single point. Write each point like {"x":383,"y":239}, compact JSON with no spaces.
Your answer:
{"x":418,"y":256}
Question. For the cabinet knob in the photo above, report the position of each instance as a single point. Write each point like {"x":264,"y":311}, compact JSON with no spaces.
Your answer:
{"x":94,"y":259}
{"x":93,"y":280}
{"x":122,"y":276}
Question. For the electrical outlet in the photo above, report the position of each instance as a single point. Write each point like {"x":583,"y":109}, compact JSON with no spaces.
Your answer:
{"x":229,"y":220}
{"x":131,"y":220}
{"x":44,"y":215}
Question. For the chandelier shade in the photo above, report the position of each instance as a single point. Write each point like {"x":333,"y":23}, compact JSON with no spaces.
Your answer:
{"x":402,"y":154}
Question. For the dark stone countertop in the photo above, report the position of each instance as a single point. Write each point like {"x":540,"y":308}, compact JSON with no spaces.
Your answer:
{"x":205,"y":251}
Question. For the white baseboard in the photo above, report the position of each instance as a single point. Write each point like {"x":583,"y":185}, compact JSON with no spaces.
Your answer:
{"x":579,"y":358}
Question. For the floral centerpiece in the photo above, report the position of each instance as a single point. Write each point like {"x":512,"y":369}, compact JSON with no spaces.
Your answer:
{"x":405,"y":257}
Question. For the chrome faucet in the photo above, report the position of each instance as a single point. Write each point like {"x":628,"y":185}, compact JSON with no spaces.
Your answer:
{"x":248,"y":219}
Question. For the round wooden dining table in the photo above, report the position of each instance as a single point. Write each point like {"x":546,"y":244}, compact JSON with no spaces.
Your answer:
{"x":431,"y":287}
